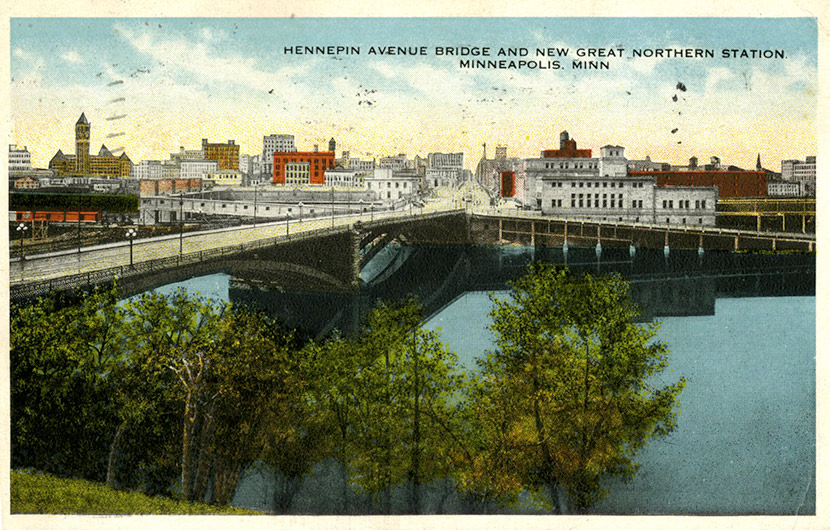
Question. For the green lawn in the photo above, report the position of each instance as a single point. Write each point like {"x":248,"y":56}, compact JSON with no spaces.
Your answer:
{"x":33,"y":492}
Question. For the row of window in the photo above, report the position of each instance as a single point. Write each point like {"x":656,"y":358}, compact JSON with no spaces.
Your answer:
{"x":578,"y":201}
{"x":388,"y":185}
{"x":681,"y":204}
{"x":571,"y":165}
{"x":597,"y":184}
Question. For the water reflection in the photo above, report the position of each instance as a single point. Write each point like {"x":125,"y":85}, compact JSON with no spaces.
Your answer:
{"x":741,"y":328}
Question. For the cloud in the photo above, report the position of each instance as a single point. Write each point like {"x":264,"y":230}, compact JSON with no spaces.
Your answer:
{"x":72,"y":57}
{"x":208,"y":66}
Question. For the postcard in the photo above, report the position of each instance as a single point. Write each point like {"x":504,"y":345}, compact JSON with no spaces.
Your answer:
{"x":504,"y":269}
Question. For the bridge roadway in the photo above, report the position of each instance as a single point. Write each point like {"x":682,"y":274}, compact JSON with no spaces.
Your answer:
{"x":164,"y":252}
{"x":55,"y":265}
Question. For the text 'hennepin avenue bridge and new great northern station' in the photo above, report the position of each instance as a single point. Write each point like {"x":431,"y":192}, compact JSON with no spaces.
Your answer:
{"x":537,"y":58}
{"x":88,"y":219}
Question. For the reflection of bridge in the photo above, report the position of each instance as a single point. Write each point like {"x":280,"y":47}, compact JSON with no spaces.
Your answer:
{"x":682,"y":283}
{"x":330,"y":256}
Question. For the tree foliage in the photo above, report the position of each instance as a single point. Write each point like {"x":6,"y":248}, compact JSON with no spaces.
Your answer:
{"x":179,"y":394}
{"x":568,"y":396}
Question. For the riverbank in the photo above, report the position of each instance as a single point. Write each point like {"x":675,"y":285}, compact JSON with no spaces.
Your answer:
{"x":35,"y":492}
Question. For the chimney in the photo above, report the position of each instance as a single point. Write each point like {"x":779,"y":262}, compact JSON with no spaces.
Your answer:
{"x":316,"y":148}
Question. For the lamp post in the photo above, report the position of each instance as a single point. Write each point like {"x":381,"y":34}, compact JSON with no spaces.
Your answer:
{"x":131,"y":233}
{"x":372,"y":212}
{"x":256,"y":188}
{"x":21,"y":228}
{"x":181,"y":223}
{"x":79,"y":226}
{"x":361,"y":208}
{"x":332,"y":206}
{"x":300,"y":206}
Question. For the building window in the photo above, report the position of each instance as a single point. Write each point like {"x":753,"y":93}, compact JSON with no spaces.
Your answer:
{"x":665,"y":204}
{"x":573,"y":200}
{"x":671,"y":205}
{"x":697,"y":205}
{"x":612,"y":202}
{"x":703,"y":204}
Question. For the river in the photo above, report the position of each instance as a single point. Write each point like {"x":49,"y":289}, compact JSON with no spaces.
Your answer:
{"x":740,"y":327}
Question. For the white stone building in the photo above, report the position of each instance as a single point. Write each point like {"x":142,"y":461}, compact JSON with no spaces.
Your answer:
{"x":454,"y":160}
{"x":600,"y":189}
{"x":197,"y":168}
{"x":19,"y":159}
{"x":297,"y":173}
{"x":147,"y":169}
{"x":225,"y":177}
{"x":398,"y":162}
{"x":803,"y":171}
{"x":345,"y":178}
{"x":785,"y":188}
{"x":392,"y":186}
{"x":279,"y":143}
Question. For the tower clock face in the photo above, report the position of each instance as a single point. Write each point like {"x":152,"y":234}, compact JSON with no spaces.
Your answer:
{"x":83,"y":134}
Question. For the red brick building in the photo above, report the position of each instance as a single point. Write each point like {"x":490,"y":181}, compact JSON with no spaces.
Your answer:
{"x":508,"y":184}
{"x":567,"y":149}
{"x":318,"y":161}
{"x":729,"y":183}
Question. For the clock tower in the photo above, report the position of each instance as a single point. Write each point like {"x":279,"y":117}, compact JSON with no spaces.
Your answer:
{"x":82,"y":145}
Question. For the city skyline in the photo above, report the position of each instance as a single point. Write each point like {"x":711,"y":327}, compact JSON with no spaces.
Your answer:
{"x":180,"y":80}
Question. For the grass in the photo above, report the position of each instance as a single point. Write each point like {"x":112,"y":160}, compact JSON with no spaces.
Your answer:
{"x":34,"y":492}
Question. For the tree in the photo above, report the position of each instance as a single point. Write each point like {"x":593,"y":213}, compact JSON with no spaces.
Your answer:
{"x":567,"y":397}
{"x":405,"y":387}
{"x":179,"y":334}
{"x":61,"y":359}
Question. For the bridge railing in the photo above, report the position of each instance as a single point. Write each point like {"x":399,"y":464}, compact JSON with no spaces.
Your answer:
{"x":23,"y":290}
{"x":530,"y":215}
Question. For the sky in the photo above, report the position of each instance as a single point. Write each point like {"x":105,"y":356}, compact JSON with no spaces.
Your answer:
{"x":176,"y":81}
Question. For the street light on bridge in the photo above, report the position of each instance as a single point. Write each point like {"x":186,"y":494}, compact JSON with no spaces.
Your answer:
{"x":256,"y":188}
{"x":21,"y":229}
{"x":300,"y":206}
{"x":131,"y":233}
{"x":181,"y":223}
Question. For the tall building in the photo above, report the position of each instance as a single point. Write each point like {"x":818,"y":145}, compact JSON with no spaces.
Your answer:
{"x":282,"y":143}
{"x":82,"y":145}
{"x":226,"y":154}
{"x":332,"y":145}
{"x":803,"y":171}
{"x":104,"y":164}
{"x":19,"y":159}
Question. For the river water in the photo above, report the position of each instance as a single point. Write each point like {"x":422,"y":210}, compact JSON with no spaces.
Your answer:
{"x":741,"y":330}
